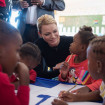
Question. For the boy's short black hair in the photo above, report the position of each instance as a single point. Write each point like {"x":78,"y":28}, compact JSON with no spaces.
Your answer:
{"x":7,"y":32}
{"x":30,"y":49}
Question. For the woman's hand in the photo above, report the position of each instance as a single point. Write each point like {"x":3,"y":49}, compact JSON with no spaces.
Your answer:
{"x":58,"y":66}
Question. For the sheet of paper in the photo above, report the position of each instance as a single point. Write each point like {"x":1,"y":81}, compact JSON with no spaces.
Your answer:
{"x":56,"y":89}
{"x":36,"y":90}
{"x":44,"y":96}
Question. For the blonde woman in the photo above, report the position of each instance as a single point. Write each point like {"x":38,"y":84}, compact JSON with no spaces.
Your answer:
{"x":54,"y":48}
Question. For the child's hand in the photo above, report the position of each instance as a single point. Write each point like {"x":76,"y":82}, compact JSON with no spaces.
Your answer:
{"x":81,"y":90}
{"x":60,"y":94}
{"x":64,"y":70}
{"x":58,"y":102}
{"x":23,"y":73}
{"x":58,"y":66}
{"x":69,"y":97}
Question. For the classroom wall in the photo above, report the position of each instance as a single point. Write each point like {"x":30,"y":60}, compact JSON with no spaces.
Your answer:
{"x":69,"y":25}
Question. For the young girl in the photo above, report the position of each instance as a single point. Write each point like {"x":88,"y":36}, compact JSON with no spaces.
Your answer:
{"x":96,"y":67}
{"x":75,"y":68}
{"x":10,"y":42}
{"x":29,"y":55}
{"x":96,"y":62}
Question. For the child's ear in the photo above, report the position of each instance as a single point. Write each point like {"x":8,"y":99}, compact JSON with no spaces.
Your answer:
{"x":40,"y":34}
{"x":83,"y":47}
{"x":99,"y":66}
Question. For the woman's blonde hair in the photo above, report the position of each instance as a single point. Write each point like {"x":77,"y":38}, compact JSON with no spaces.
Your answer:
{"x":45,"y":20}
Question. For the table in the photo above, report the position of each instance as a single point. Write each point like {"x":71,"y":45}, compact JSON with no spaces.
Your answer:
{"x":43,"y":91}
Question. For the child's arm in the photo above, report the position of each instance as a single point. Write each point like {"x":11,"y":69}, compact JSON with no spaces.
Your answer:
{"x":88,"y":88}
{"x":82,"y":90}
{"x":64,"y":71}
{"x":23,"y":73}
{"x":23,"y":89}
{"x":91,"y":96}
{"x":7,"y":94}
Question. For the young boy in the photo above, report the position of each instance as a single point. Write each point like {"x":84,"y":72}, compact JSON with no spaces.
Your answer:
{"x":10,"y":42}
{"x":29,"y":55}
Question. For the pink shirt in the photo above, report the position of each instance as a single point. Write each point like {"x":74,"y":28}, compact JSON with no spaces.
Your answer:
{"x":95,"y":85}
{"x":78,"y":72}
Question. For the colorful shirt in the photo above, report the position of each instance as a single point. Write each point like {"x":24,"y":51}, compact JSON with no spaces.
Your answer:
{"x":78,"y":72}
{"x":7,"y":94}
{"x":95,"y":85}
{"x":102,"y":90}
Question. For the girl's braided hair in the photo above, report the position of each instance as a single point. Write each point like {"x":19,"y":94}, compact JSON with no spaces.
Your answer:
{"x":98,"y":47}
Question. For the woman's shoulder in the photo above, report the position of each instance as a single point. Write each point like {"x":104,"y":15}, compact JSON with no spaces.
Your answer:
{"x":40,"y":42}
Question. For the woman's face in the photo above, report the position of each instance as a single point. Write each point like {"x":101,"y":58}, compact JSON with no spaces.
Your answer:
{"x":50,"y":34}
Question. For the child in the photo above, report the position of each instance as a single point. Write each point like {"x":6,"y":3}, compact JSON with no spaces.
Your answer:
{"x":75,"y":68}
{"x":29,"y":55}
{"x":10,"y":42}
{"x":96,"y":65}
